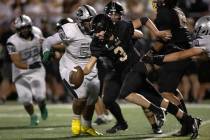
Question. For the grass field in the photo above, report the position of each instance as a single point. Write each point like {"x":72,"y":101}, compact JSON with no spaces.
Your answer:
{"x":14,"y":124}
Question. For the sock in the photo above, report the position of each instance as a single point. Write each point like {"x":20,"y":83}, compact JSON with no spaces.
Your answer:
{"x":155,"y":109}
{"x":173,"y":109}
{"x":100,"y":116}
{"x":75,"y":116}
{"x":116,"y":111}
{"x":87,"y":123}
{"x":183,"y":106}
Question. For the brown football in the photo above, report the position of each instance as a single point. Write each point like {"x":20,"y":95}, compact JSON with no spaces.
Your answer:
{"x":77,"y":77}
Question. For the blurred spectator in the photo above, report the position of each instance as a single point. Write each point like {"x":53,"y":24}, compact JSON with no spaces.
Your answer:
{"x":69,"y":6}
{"x":35,"y":9}
{"x":199,"y":6}
{"x":18,"y":7}
{"x":204,"y":78}
{"x":6,"y":15}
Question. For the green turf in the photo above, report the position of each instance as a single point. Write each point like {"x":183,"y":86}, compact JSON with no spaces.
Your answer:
{"x":14,"y":124}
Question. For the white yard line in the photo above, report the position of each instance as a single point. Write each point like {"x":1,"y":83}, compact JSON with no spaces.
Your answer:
{"x":170,"y":133}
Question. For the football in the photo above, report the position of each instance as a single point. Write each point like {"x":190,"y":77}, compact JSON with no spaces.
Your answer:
{"x":76,"y":78}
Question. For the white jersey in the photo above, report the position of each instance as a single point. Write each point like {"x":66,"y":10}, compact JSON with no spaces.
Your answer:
{"x":29,"y":51}
{"x":203,"y":41}
{"x":77,"y":45}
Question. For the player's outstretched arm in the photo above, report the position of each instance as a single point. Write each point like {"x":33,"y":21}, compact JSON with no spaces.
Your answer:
{"x":159,"y":59}
{"x":183,"y":54}
{"x":89,"y":66}
{"x":151,"y":26}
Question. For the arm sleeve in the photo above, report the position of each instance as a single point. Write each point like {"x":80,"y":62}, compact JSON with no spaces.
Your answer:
{"x":50,"y":41}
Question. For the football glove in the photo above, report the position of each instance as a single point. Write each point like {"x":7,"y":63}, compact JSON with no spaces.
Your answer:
{"x":46,"y":56}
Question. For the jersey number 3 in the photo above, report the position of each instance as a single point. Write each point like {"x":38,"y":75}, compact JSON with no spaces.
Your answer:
{"x":122,"y":53}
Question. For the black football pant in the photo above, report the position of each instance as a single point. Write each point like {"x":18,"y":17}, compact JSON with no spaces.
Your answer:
{"x":111,"y":90}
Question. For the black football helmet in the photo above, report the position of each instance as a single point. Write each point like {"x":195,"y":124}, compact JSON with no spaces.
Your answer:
{"x":114,"y":7}
{"x":102,"y":22}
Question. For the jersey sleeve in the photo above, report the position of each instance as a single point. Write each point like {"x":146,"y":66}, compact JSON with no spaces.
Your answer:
{"x":50,"y":41}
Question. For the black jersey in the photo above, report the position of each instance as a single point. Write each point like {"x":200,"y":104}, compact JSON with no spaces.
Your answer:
{"x":174,"y":19}
{"x":120,"y":51}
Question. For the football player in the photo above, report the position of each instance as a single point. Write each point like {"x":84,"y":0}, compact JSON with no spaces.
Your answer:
{"x":201,"y":44}
{"x":170,"y":17}
{"x":131,"y":73}
{"x":76,"y":38}
{"x":115,"y":11}
{"x":28,"y":72}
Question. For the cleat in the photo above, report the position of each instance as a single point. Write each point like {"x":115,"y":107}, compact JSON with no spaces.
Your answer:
{"x":157,"y":130}
{"x":117,"y":127}
{"x":44,"y":113}
{"x":90,"y":131}
{"x":160,"y":118}
{"x":100,"y":121}
{"x":34,"y":120}
{"x":195,"y":128}
{"x":75,"y":127}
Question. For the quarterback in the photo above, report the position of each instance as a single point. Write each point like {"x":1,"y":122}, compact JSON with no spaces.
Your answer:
{"x":76,"y":39}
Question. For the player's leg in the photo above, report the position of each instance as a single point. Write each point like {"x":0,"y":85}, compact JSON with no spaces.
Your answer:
{"x":92,"y":90}
{"x":102,"y":113}
{"x":78,"y":105}
{"x":79,"y":101}
{"x":170,"y":77}
{"x":153,"y":101}
{"x":38,"y":87}
{"x":111,"y":90}
{"x":152,"y":120}
{"x":23,"y":88}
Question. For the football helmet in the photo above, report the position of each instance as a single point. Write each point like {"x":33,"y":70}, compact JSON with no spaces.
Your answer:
{"x":85,"y":12}
{"x":23,"y":26}
{"x":114,"y":7}
{"x":202,"y":26}
{"x":102,"y":22}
